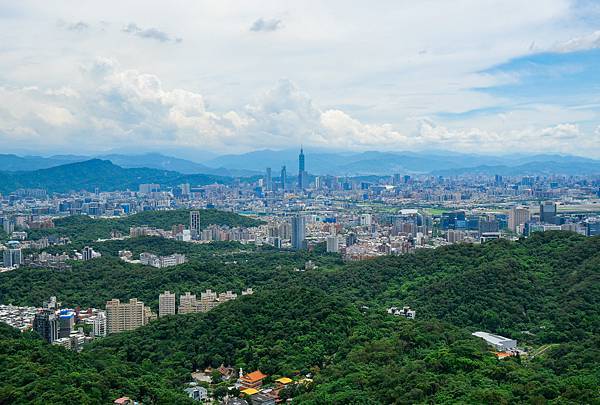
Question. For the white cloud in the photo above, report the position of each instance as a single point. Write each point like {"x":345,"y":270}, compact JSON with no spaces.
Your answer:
{"x":582,"y":43}
{"x":149,"y":33}
{"x":263,"y":25}
{"x":124,"y":107}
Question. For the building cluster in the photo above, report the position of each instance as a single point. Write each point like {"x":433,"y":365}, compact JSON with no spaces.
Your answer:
{"x":17,"y":317}
{"x":125,"y":316}
{"x":404,"y":312}
{"x":350,"y":216}
{"x":160,"y":262}
{"x":65,"y":326}
{"x":189,"y":303}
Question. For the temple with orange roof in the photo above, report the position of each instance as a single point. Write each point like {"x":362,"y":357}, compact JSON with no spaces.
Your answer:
{"x":253,"y":379}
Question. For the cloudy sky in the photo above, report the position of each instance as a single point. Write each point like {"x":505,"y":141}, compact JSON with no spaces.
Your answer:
{"x":468,"y":75}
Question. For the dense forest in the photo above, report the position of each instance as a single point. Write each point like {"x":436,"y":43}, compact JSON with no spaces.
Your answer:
{"x":82,"y":228}
{"x":331,"y":322}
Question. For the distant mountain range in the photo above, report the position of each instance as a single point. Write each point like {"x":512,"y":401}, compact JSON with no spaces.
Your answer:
{"x":387,"y":163}
{"x":148,"y":160}
{"x":102,"y":174}
{"x":333,"y":163}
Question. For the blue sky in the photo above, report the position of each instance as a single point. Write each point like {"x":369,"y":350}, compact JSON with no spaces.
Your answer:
{"x":475,"y":76}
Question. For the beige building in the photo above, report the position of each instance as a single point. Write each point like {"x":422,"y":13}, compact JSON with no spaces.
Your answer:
{"x":188,"y":303}
{"x":517,"y":217}
{"x":125,"y":316}
{"x":166,"y":304}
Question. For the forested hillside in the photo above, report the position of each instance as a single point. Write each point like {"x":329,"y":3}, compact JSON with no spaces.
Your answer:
{"x":101,"y":174}
{"x":543,"y":291}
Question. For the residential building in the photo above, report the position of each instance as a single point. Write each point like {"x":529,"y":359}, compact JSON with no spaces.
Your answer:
{"x":195,"y":223}
{"x":517,"y":217}
{"x":187,"y":303}
{"x":333,"y":244}
{"x":298,"y":232}
{"x":47,"y":325}
{"x":405,"y":312}
{"x":166,"y":304}
{"x":124,"y":316}
{"x":12,"y":257}
{"x":548,"y":212}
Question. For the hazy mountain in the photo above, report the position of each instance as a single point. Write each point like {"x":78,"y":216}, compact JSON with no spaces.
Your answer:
{"x":98,"y":173}
{"x":387,"y":163}
{"x":159,"y":161}
{"x":323,"y":162}
{"x":149,"y":160}
{"x":564,"y":167}
{"x":9,"y":162}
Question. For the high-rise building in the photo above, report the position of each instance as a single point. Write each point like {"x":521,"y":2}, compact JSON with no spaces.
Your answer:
{"x":149,"y":188}
{"x":517,"y":217}
{"x":268,"y":180}
{"x":12,"y":257}
{"x":46,"y":324}
{"x":195,"y":223}
{"x":333,"y":244}
{"x":185,"y":188}
{"x":98,"y":322}
{"x":66,"y":319}
{"x":187,"y":303}
{"x":283,"y":177}
{"x":365,"y":220}
{"x":124,"y":316}
{"x":166,"y":304}
{"x":301,"y":170}
{"x":351,"y":239}
{"x":87,"y":253}
{"x":298,"y":232}
{"x":548,"y":212}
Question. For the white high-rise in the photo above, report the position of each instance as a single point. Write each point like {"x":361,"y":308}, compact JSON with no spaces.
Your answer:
{"x":166,"y":304}
{"x":195,"y":223}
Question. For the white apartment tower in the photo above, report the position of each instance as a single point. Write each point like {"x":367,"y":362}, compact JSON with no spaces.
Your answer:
{"x":195,"y":223}
{"x":166,"y":304}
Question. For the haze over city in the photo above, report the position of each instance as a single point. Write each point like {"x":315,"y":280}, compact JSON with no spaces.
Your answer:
{"x":468,"y":76}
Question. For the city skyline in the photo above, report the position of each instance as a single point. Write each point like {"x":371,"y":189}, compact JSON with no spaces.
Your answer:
{"x":519,"y":84}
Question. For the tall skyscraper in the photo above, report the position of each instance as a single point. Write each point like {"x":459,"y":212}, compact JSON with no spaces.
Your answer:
{"x":298,"y":232}
{"x":195,"y":223}
{"x":548,"y":212}
{"x":121,"y":317}
{"x":166,"y":304}
{"x":301,"y":170}
{"x":46,"y":324}
{"x":268,"y":180}
{"x":283,"y":177}
{"x":518,"y":216}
